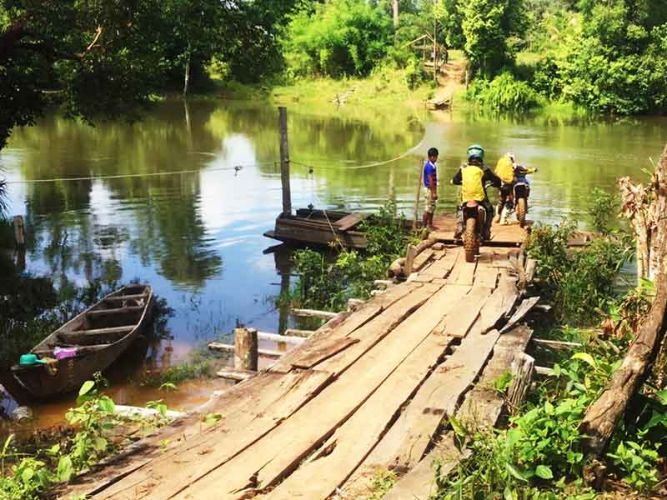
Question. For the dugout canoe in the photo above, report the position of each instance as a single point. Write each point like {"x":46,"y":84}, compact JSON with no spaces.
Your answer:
{"x":100,"y":335}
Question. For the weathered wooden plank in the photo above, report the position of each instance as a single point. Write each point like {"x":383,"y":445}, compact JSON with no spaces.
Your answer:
{"x":349,"y":221}
{"x":442,"y":267}
{"x":312,"y":313}
{"x":373,"y":331}
{"x":486,"y":275}
{"x":342,"y":326}
{"x":463,"y":273}
{"x":438,"y":397}
{"x":419,"y":482}
{"x":469,"y":308}
{"x":235,"y":374}
{"x":276,"y":398}
{"x":498,"y":305}
{"x":421,"y":259}
{"x":264,"y":463}
{"x":343,"y":452}
{"x":457,"y":295}
{"x":321,"y":351}
{"x":520,"y":313}
{"x":483,"y":405}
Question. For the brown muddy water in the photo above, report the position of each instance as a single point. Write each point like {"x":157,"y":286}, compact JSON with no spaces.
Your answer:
{"x":180,"y":200}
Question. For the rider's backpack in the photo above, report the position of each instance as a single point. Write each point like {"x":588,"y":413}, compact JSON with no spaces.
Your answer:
{"x":505,"y":169}
{"x":472,"y":187}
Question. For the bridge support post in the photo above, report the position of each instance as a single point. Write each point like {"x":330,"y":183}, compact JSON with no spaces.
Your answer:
{"x":284,"y":162}
{"x":245,"y":349}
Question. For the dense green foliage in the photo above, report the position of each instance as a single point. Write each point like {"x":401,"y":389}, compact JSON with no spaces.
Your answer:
{"x":488,"y":29}
{"x":606,"y":56}
{"x":503,"y":94}
{"x":329,"y":285}
{"x":540,"y":454}
{"x":337,"y":38}
{"x":578,"y":284}
{"x":102,"y":59}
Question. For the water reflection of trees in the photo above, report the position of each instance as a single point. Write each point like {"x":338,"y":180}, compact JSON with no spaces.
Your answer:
{"x":166,"y":227}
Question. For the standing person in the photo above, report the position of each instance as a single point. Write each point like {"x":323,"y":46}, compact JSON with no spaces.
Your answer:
{"x":473,"y":178}
{"x":430,"y":177}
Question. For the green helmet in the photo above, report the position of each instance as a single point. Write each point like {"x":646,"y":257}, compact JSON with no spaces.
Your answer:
{"x":476,"y":152}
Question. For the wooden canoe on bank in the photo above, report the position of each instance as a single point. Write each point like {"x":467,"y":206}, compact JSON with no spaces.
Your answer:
{"x":100,"y":335}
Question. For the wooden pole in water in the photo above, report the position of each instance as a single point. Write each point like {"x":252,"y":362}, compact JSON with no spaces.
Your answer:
{"x":419,"y":189}
{"x":284,"y":161}
{"x":19,"y":231}
{"x":245,"y":349}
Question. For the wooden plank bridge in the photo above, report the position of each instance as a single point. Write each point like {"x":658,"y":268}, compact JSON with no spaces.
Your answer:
{"x":372,"y":390}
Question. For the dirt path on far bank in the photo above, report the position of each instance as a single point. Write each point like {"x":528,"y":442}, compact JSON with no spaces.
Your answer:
{"x":451,"y":78}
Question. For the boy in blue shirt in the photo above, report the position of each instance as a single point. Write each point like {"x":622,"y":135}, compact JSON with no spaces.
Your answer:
{"x":431,"y":187}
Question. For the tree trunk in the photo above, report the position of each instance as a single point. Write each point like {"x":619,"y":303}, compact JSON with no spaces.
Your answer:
{"x":604,"y":414}
{"x":186,"y":79}
{"x":394,"y":10}
{"x":644,"y":207}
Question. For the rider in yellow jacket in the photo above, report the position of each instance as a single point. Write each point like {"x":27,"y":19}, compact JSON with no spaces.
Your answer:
{"x":473,"y":177}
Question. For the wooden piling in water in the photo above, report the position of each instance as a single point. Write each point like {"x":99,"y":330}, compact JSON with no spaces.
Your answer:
{"x":245,"y":349}
{"x":284,"y":162}
{"x":19,"y":231}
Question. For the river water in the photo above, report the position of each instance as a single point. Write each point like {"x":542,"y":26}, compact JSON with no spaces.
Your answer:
{"x":181,"y":199}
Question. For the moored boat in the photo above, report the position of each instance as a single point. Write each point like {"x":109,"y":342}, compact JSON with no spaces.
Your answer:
{"x":87,"y":344}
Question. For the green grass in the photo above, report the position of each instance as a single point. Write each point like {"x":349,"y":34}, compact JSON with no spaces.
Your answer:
{"x":382,"y":87}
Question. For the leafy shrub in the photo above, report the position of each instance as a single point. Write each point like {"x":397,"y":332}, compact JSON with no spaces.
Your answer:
{"x":503,"y":94}
{"x":638,"y":462}
{"x":94,"y":421}
{"x":329,"y":284}
{"x":603,"y":209}
{"x":338,"y":38}
{"x":542,"y":444}
{"x":577,"y":283}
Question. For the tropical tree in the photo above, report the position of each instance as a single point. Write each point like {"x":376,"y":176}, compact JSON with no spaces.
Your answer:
{"x":487,"y":28}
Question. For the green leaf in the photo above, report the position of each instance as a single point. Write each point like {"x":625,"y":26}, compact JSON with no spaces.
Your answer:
{"x":509,"y":493}
{"x":106,"y":404}
{"x":86,"y":387}
{"x":212,"y":418}
{"x":457,"y":427}
{"x":586,"y":358}
{"x":168,"y":386}
{"x":27,"y":474}
{"x":65,"y":469}
{"x":548,"y":408}
{"x":662,"y":396}
{"x":515,"y":472}
{"x":544,"y":472}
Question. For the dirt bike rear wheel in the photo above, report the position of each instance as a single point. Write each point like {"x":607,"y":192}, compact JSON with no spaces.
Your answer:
{"x":521,"y":210}
{"x":471,"y":240}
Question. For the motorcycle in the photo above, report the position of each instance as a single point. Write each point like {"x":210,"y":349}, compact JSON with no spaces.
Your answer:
{"x":474,"y":218}
{"x":521,"y":193}
{"x":517,"y":198}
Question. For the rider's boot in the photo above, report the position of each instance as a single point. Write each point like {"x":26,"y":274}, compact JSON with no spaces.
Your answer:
{"x":499,"y":212}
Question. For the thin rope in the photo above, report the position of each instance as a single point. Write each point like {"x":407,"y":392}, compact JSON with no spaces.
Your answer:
{"x":362,"y":166}
{"x":148,"y":174}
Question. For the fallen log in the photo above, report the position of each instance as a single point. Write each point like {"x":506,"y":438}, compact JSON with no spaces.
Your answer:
{"x":603,"y":415}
